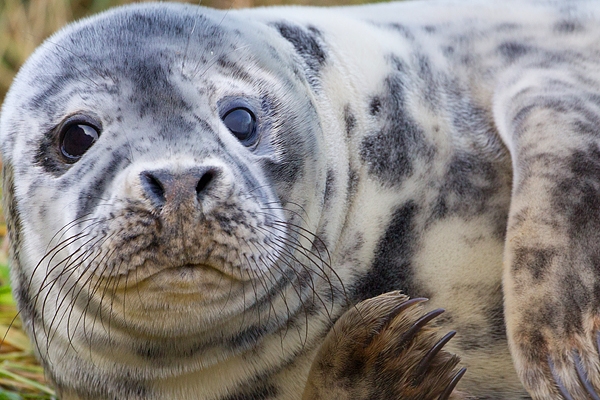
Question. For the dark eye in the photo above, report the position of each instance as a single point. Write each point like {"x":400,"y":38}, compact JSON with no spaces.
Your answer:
{"x":76,"y":139}
{"x":242,"y":123}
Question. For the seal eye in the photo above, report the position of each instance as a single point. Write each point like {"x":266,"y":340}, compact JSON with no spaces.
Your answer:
{"x":77,"y":138}
{"x":242,"y":123}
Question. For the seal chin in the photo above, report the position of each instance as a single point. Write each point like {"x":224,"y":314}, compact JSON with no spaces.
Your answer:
{"x":173,"y":294}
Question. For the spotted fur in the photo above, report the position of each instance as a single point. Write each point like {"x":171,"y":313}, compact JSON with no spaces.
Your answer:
{"x":446,"y":149}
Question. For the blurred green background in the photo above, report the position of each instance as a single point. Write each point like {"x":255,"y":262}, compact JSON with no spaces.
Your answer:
{"x":24,"y":24}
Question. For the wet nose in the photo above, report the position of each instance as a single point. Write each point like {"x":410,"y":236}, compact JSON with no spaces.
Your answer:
{"x":164,"y":187}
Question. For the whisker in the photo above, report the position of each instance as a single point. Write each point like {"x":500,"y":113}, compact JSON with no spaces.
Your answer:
{"x":296,"y":213}
{"x":314,"y":291}
{"x":307,"y":253}
{"x":70,"y":268}
{"x":298,"y":292}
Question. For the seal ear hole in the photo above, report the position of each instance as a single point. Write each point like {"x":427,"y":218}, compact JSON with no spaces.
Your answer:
{"x":76,"y":138}
{"x":242,"y":123}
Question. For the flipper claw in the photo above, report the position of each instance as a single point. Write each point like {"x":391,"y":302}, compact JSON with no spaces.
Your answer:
{"x":457,"y":377}
{"x":583,"y":376}
{"x":417,"y":326}
{"x":424,"y":363}
{"x":563,"y":390}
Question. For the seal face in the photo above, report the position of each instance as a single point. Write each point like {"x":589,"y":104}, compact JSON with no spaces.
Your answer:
{"x":194,"y":197}
{"x":180,"y":226}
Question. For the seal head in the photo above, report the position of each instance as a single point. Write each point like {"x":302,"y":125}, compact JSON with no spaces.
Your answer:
{"x":158,"y":196}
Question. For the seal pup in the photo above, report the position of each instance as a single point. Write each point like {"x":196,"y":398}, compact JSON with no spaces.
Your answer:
{"x":194,"y":197}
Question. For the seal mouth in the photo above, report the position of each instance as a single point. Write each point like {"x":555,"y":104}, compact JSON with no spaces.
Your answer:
{"x":189,"y":277}
{"x":187,"y":270}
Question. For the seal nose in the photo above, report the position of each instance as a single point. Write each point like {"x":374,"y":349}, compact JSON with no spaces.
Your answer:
{"x":164,"y":187}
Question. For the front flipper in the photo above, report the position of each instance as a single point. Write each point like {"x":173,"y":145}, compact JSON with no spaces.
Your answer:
{"x":550,"y":121}
{"x":384,"y":349}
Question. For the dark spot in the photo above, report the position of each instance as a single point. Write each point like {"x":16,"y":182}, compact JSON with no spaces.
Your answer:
{"x":448,"y":51}
{"x":390,"y":152}
{"x":403,"y":30}
{"x":391,"y":268}
{"x":568,"y":26}
{"x":472,"y":337}
{"x":430,"y":92}
{"x":513,"y":50}
{"x":576,"y":198}
{"x":226,"y":223}
{"x":580,"y":114}
{"x":349,"y":119}
{"x":352,"y":184}
{"x":507,"y":26}
{"x":577,"y":195}
{"x":399,"y":65}
{"x":535,"y":260}
{"x":48,"y":156}
{"x":287,"y":172}
{"x":353,"y":368}
{"x":329,"y":188}
{"x":430,"y":28}
{"x":43,"y":211}
{"x":576,"y":300}
{"x":296,"y":132}
{"x":162,"y":352}
{"x":308,"y":45}
{"x":24,"y":299}
{"x":468,"y":187}
{"x":51,"y":91}
{"x":153,"y":93}
{"x":424,"y":69}
{"x":375,"y":105}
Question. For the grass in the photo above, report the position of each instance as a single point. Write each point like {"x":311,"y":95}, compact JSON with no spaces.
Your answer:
{"x":24,"y":24}
{"x":20,"y":375}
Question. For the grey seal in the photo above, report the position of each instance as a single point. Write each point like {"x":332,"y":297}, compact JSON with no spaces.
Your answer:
{"x":194,"y":197}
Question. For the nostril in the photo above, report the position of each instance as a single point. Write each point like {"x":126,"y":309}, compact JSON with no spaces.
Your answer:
{"x":153,"y":187}
{"x":164,"y":187}
{"x":204,"y":181}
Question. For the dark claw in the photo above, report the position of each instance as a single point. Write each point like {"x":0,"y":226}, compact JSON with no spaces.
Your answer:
{"x":424,"y":363}
{"x":558,"y":381}
{"x":452,"y":384}
{"x":421,"y":322}
{"x":400,"y":308}
{"x":403,"y":306}
{"x":583,"y":376}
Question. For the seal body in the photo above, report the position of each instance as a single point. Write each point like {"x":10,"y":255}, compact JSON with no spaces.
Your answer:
{"x":193,"y":196}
